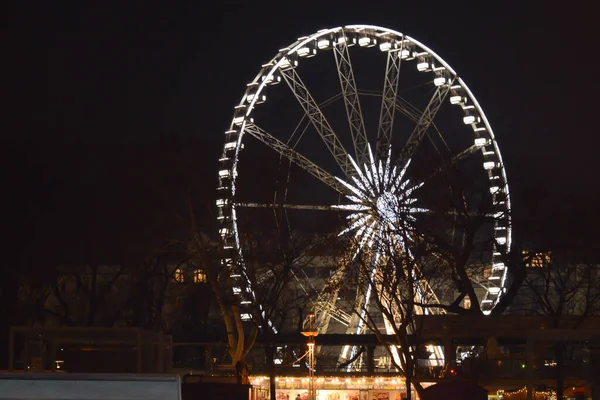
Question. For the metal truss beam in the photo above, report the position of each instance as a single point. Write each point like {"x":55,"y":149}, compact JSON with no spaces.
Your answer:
{"x":453,"y":161}
{"x":317,"y":118}
{"x":424,"y":122}
{"x":294,"y":156}
{"x":352,"y":102}
{"x":325,"y":306}
{"x":288,"y":206}
{"x":388,"y":104}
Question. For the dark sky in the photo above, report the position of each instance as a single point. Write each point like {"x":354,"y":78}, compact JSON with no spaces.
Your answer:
{"x":112,"y":108}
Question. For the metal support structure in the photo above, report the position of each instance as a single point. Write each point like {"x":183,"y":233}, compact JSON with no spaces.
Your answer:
{"x":373,"y":188}
{"x":352,"y":102}
{"x":388,"y":104}
{"x":295,"y":157}
{"x":325,"y":307}
{"x":317,"y":118}
{"x":453,"y":161}
{"x":401,"y":105}
{"x":424,"y":122}
{"x":287,"y":206}
{"x":311,"y":334}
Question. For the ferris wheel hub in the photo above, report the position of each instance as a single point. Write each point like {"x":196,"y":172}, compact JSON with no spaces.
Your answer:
{"x":387,"y":207}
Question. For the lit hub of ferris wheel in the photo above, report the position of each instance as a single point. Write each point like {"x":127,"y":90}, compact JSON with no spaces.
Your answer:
{"x":382,"y":202}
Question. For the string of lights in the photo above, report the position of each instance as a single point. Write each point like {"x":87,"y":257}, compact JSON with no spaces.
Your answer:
{"x":337,"y":381}
{"x":548,"y":394}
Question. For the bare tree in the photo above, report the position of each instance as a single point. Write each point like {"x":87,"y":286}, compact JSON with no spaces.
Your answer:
{"x":272,"y":265}
{"x":86,"y":295}
{"x":241,"y":336}
{"x":396,"y":284}
{"x":437,"y":264}
{"x":268,"y":262}
{"x":565,"y":291}
{"x":141,"y":294}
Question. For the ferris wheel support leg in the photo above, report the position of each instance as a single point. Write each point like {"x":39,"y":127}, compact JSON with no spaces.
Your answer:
{"x":326,"y":303}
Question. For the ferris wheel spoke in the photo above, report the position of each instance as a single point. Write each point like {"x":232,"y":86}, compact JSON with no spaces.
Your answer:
{"x":408,"y":110}
{"x":310,"y":207}
{"x":294,"y":156}
{"x":318,"y":120}
{"x":304,"y":123}
{"x":388,"y":104}
{"x":452,"y":162}
{"x":352,"y":102}
{"x":424,"y":122}
{"x":401,"y":105}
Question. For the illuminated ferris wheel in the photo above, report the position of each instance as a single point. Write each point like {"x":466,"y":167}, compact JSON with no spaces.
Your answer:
{"x":357,"y":130}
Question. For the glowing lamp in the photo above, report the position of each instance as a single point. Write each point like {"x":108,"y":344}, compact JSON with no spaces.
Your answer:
{"x":470,"y":119}
{"x":307,"y":52}
{"x":367,"y":42}
{"x":457,"y":99}
{"x":346,"y":40}
{"x":423,"y":66}
{"x":404,"y":54}
{"x":323,"y":44}
{"x":260,"y":98}
{"x":480,"y":142}
{"x":287,"y":64}
{"x":271,"y":79}
{"x":385,"y":46}
{"x":439,"y":81}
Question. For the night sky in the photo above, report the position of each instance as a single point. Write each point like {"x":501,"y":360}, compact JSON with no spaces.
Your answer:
{"x":111,"y":109}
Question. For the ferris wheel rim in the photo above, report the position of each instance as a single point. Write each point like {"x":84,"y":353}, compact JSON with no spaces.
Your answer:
{"x":275,"y":64}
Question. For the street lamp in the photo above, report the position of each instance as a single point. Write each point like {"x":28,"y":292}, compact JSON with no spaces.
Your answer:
{"x":310,"y":334}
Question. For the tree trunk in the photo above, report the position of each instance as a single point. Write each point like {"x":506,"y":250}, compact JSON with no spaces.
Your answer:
{"x":270,"y":354}
{"x":408,"y":387}
{"x":241,"y":372}
{"x":418,"y":388}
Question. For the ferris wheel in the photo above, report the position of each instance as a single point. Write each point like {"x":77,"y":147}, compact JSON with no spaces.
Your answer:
{"x":344,"y":131}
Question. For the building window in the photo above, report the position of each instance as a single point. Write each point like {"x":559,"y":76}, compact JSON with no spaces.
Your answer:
{"x":537,"y":260}
{"x":178,"y":276}
{"x":199,"y":276}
